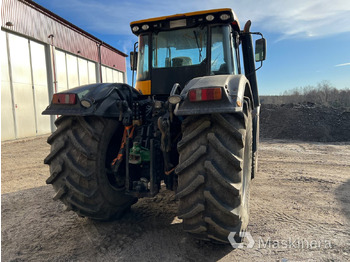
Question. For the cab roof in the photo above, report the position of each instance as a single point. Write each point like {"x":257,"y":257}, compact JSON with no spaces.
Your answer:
{"x":198,"y":14}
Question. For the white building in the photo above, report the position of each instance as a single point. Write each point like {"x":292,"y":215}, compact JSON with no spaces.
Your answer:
{"x":41,"y":54}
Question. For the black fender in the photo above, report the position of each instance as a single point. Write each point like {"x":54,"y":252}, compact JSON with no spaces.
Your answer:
{"x":101,"y":99}
{"x":235,"y":88}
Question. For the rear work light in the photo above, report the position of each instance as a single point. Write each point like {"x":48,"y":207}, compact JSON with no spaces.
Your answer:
{"x":64,"y":99}
{"x":205,"y":94}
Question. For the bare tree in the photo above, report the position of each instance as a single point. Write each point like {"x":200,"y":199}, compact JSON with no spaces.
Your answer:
{"x":323,"y":94}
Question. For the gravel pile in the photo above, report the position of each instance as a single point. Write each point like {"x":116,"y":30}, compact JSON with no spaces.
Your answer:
{"x":305,"y":122}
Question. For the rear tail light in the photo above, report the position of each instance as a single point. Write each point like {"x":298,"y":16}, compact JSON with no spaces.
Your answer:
{"x":205,"y":94}
{"x":66,"y":99}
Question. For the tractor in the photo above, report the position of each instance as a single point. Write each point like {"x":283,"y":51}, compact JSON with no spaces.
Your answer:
{"x":190,"y":124}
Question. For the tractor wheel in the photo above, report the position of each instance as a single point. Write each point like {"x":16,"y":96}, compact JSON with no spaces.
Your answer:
{"x":214,"y":175}
{"x":82,"y":149}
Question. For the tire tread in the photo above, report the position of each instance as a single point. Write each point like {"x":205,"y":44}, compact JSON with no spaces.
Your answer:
{"x":76,"y":148}
{"x":210,"y":175}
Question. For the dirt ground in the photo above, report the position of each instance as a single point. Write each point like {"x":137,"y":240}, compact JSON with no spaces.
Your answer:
{"x":300,"y":210}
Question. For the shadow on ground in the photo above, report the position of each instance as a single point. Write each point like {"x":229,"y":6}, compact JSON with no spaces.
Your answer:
{"x":34,"y":227}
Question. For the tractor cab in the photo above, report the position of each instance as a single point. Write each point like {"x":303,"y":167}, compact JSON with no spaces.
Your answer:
{"x":178,"y":48}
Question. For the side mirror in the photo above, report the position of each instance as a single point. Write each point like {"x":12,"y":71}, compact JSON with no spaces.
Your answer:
{"x":260,"y":50}
{"x":133,"y":60}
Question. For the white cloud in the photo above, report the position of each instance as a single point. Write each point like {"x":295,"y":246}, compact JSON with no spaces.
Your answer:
{"x":345,"y":64}
{"x":299,"y":18}
{"x":288,"y":18}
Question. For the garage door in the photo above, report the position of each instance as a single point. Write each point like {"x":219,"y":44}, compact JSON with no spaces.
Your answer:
{"x":110,"y":75}
{"x":73,"y":71}
{"x":7,"y":117}
{"x":22,"y":86}
{"x":23,"y":102}
{"x":41,"y":91}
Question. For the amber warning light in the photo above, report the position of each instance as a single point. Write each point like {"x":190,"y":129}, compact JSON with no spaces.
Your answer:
{"x":67,"y":99}
{"x":205,"y":94}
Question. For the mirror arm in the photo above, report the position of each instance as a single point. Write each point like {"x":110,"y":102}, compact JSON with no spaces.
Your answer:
{"x":252,"y":33}
{"x":257,"y":33}
{"x":256,"y":69}
{"x":133,"y":66}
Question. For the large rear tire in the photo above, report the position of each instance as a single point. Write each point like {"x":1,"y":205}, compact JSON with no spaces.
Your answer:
{"x":82,"y":149}
{"x":214,"y":174}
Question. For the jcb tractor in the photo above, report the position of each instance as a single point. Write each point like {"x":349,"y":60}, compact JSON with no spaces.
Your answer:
{"x":191,"y":124}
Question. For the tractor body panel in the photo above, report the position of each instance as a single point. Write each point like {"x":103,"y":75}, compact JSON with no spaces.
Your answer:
{"x":101,"y":99}
{"x":233,"y":88}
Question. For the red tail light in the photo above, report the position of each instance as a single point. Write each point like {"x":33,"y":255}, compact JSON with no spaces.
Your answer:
{"x":66,"y":99}
{"x":205,"y":94}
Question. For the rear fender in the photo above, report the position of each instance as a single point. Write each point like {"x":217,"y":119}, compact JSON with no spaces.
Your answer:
{"x":234,"y":89}
{"x":105,"y":99}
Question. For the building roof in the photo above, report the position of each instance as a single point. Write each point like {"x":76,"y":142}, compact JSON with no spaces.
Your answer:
{"x":7,"y":11}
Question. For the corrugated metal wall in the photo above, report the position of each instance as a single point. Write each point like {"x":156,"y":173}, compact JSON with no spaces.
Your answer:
{"x":32,"y":69}
{"x":112,"y":59}
{"x":29,"y":19}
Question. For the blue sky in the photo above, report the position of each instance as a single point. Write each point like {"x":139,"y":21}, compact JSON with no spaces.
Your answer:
{"x":308,"y":41}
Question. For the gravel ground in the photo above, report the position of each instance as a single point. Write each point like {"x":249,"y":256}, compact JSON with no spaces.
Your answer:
{"x":300,"y":210}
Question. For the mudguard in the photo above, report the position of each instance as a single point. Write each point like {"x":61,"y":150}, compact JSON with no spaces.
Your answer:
{"x":101,"y":99}
{"x":234,"y":89}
